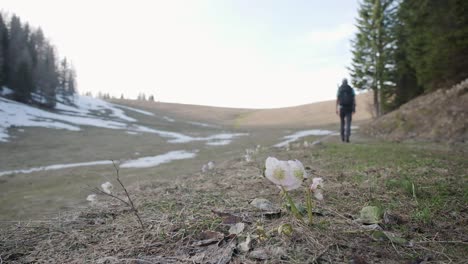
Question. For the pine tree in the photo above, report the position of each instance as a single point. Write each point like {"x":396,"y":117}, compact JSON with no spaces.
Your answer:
{"x":437,"y":44}
{"x":372,"y":65}
{"x":23,"y":82}
{"x":51,"y":80}
{"x":3,"y":52}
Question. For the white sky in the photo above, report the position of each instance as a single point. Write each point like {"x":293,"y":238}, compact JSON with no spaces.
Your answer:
{"x":238,"y":53}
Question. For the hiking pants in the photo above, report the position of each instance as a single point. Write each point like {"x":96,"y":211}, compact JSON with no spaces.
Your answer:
{"x":345,"y":117}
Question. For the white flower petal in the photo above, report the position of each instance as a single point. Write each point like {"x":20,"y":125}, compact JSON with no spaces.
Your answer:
{"x":318,"y":194}
{"x":286,"y":174}
{"x":316,"y":184}
{"x":107,"y":187}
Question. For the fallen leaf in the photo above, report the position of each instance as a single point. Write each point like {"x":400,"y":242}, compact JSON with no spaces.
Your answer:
{"x":228,"y":218}
{"x":268,"y":208}
{"x":285,"y":229}
{"x":385,"y":235}
{"x":245,"y":246}
{"x":259,"y":254}
{"x":237,"y":228}
{"x":263,"y":204}
{"x":214,"y":254}
{"x":370,"y":215}
{"x":372,"y":227}
{"x":208,"y":237}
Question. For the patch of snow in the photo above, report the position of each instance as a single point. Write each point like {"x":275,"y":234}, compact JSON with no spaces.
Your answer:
{"x":301,"y":134}
{"x":354,"y":127}
{"x":5,"y":91}
{"x":17,"y":114}
{"x":57,"y":167}
{"x":137,"y":163}
{"x":219,"y":142}
{"x":147,"y":162}
{"x":168,"y":119}
{"x":39,"y":98}
{"x":85,"y":105}
{"x":203,"y":124}
{"x":131,"y":132}
{"x":134,"y":109}
{"x":70,"y":118}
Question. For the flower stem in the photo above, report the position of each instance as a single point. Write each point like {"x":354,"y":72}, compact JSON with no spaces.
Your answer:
{"x":309,"y":204}
{"x":294,"y":209}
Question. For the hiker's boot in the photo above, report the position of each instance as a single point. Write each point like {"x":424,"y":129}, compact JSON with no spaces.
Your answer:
{"x":347,"y":139}
{"x":342,"y":138}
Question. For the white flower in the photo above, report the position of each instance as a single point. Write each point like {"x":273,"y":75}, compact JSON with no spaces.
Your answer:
{"x":107,"y":187}
{"x":210,"y":165}
{"x":207,"y":167}
{"x":316,"y":188}
{"x":91,"y":198}
{"x":286,"y":174}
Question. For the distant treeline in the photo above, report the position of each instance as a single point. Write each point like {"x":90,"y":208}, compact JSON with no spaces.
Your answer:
{"x":30,"y":66}
{"x":404,"y":48}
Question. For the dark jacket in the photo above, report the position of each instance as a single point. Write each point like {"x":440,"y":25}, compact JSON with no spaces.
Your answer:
{"x":351,"y":108}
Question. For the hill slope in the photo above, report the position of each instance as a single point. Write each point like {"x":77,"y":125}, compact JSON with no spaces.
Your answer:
{"x":314,"y":114}
{"x":439,"y":116}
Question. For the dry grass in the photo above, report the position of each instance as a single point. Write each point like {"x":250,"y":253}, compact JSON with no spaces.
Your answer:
{"x":178,"y":213}
{"x":315,"y":114}
{"x":438,"y":116}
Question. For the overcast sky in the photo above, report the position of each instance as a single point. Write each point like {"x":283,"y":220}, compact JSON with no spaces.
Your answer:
{"x":235,"y":53}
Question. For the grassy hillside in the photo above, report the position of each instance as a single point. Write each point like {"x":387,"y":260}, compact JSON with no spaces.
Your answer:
{"x":315,"y":114}
{"x":438,"y":116}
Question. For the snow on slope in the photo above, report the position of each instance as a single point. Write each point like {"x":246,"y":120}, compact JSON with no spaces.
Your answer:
{"x":85,"y":111}
{"x":301,"y":134}
{"x":144,"y":162}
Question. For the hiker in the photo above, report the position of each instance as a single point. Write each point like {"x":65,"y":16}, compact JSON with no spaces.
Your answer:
{"x":345,"y":108}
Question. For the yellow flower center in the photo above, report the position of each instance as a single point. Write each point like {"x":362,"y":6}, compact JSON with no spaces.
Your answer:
{"x":279,"y":174}
{"x":299,"y":174}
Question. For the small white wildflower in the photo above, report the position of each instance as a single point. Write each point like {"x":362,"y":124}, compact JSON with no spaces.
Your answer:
{"x":248,"y":158}
{"x":286,"y":174}
{"x":316,"y":188}
{"x":107,"y":187}
{"x":91,"y":198}
{"x":210,"y":165}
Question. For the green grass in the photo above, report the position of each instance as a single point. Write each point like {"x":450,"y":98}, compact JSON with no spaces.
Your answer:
{"x":431,"y":178}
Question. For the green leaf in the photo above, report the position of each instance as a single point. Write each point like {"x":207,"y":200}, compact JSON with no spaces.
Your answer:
{"x":370,"y":215}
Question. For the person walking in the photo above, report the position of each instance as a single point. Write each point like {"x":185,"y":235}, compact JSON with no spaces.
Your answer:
{"x":345,"y":108}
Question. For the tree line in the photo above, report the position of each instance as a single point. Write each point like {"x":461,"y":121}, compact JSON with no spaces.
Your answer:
{"x":404,"y":48}
{"x":29,"y":65}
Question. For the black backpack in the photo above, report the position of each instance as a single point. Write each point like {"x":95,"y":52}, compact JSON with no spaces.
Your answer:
{"x":346,"y":96}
